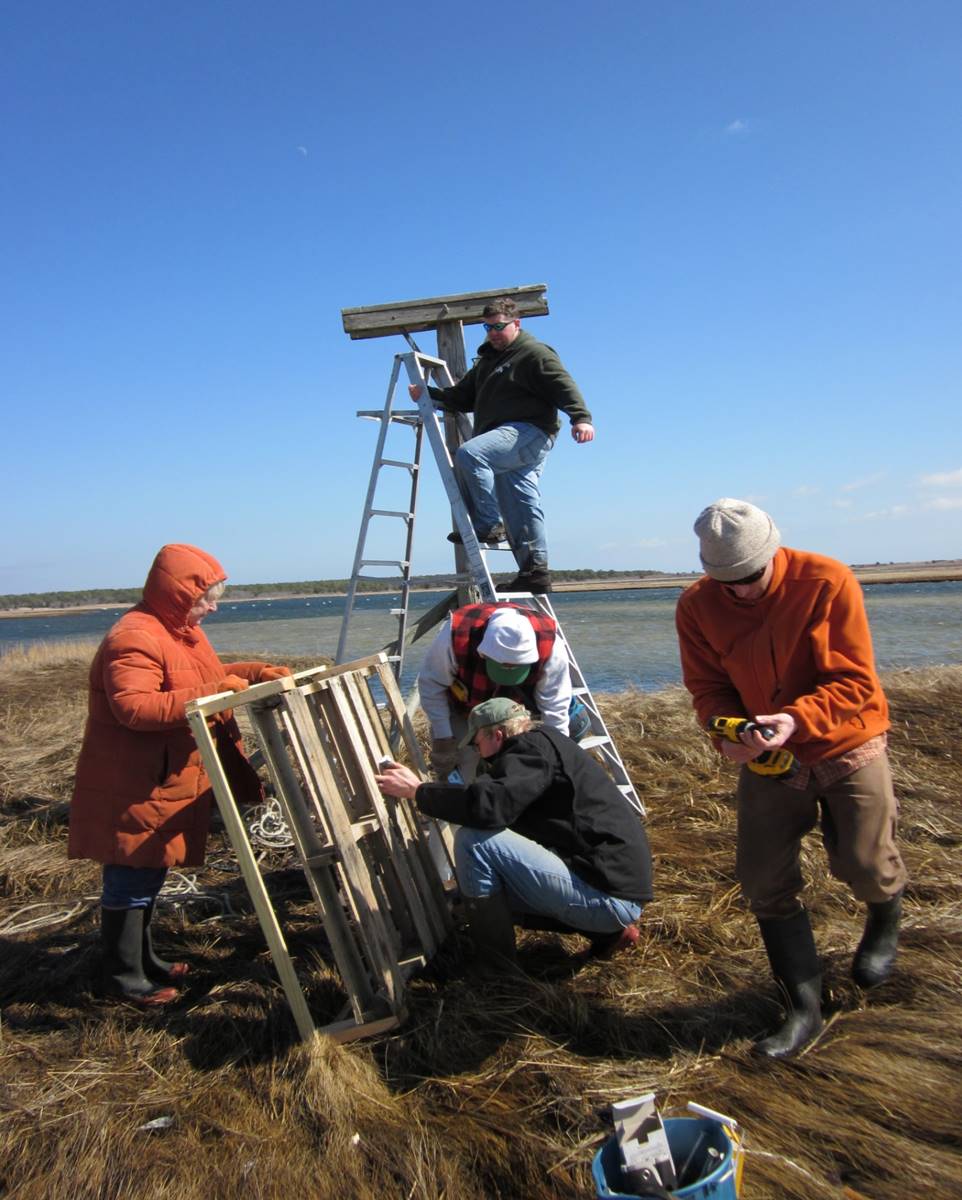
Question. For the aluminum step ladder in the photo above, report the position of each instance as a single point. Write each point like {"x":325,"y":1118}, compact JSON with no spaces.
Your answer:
{"x":473,"y":571}
{"x":473,"y":575}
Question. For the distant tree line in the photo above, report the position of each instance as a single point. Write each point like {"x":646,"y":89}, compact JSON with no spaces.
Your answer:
{"x":124,"y":597}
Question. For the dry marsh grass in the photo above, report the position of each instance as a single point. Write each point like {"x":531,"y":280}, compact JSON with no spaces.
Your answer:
{"x":498,"y":1091}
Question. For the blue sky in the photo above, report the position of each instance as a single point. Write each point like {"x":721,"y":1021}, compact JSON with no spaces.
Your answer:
{"x":747,"y":216}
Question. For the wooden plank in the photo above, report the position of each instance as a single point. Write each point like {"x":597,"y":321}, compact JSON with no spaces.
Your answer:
{"x":402,"y":718}
{"x":411,"y":316}
{"x":252,"y":876}
{"x":321,"y":878}
{"x":350,"y":1031}
{"x":354,"y":875}
{"x":368,"y":747}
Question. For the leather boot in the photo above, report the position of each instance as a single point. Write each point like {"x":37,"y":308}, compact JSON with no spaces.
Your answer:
{"x":122,"y":938}
{"x":875,"y":955}
{"x":794,"y":960}
{"x":155,"y":967}
{"x":535,"y":580}
{"x":491,"y":925}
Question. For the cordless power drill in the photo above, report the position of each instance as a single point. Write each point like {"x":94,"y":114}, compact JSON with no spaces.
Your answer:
{"x":780,"y":764}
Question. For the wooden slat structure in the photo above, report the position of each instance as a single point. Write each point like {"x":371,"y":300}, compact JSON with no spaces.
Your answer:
{"x":434,"y":312}
{"x":367,"y":858}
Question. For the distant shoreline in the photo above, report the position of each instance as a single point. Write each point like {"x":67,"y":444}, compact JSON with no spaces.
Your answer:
{"x":940,"y":572}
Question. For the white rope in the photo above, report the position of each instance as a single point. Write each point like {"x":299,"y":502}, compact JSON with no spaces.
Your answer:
{"x":9,"y":924}
{"x":180,"y":889}
{"x":268,"y":828}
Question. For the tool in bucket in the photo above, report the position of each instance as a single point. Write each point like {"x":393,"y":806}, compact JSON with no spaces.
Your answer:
{"x":705,"y":1155}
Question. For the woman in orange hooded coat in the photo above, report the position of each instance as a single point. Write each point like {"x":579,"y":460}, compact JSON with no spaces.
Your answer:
{"x":142,"y":800}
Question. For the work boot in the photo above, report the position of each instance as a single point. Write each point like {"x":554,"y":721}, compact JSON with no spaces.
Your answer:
{"x":155,"y":967}
{"x":122,"y":938}
{"x":493,"y":537}
{"x":875,"y":955}
{"x":491,"y":925}
{"x":794,"y":960}
{"x":536,"y":581}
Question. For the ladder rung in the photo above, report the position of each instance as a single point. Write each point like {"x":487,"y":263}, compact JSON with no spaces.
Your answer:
{"x":395,"y":462}
{"x":383,"y":562}
{"x":386,"y":512}
{"x":589,"y":743}
{"x":377,"y":414}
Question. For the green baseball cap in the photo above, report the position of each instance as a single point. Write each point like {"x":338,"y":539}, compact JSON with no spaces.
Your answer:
{"x":491,"y":712}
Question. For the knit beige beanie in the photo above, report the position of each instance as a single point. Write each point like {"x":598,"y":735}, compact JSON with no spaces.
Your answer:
{"x":736,"y":539}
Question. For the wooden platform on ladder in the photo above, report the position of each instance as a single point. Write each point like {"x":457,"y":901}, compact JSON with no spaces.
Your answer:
{"x":447,"y":315}
{"x":372,"y":863}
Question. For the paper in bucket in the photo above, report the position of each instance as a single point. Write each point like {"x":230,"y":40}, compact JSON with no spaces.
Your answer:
{"x":703,"y":1150}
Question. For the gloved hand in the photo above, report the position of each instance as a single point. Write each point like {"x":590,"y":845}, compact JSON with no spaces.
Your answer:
{"x":268,"y":672}
{"x":231,"y":683}
{"x":444,"y":757}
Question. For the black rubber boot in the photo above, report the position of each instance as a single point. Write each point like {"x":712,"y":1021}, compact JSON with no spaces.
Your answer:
{"x":491,"y":925}
{"x":122,"y":937}
{"x":156,"y":968}
{"x":875,"y":956}
{"x":794,"y":960}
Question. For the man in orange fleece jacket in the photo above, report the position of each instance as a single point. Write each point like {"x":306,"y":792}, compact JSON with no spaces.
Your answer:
{"x":780,"y":636}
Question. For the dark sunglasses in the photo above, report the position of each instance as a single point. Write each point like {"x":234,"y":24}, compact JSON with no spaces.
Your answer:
{"x":497,"y":326}
{"x":753,"y":578}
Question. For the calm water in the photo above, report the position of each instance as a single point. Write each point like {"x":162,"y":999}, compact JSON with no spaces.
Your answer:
{"x":621,"y":639}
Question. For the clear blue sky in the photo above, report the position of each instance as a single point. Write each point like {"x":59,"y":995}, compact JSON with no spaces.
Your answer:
{"x":747,"y":216}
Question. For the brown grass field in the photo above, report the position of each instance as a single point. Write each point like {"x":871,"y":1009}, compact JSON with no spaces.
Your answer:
{"x":500,"y":1090}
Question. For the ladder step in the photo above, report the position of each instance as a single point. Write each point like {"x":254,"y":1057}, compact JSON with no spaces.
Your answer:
{"x":396,"y":462}
{"x":589,"y":743}
{"x":387,"y":512}
{"x":409,"y":416}
{"x":382,"y":562}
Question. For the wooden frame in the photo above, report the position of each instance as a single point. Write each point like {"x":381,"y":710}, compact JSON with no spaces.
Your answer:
{"x":413,"y":316}
{"x":367,"y":858}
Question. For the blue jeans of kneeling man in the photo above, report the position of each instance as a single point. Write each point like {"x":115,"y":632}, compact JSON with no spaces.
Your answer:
{"x":536,"y":881}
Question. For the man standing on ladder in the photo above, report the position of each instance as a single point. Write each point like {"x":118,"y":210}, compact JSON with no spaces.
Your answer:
{"x":514,"y":389}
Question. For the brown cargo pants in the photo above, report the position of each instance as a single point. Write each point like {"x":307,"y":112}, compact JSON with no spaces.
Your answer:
{"x":859,"y":818}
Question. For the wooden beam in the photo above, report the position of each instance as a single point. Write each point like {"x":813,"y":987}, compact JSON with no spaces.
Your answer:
{"x":412,"y":316}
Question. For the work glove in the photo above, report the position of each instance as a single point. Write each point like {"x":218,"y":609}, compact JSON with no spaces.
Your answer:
{"x":444,"y":757}
{"x":231,"y":683}
{"x":267,"y":672}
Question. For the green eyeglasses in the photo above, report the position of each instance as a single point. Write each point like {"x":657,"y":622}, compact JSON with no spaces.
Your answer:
{"x":497,"y":326}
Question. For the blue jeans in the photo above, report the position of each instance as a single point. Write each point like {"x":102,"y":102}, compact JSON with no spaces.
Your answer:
{"x":131,"y":887}
{"x":535,"y":880}
{"x":498,"y":474}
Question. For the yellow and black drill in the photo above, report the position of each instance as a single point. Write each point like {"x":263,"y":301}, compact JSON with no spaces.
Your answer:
{"x":780,"y":764}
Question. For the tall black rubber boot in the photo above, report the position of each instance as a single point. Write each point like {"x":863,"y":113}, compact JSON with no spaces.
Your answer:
{"x":122,"y":938}
{"x":875,"y":956}
{"x":794,"y":960}
{"x":156,"y":968}
{"x":491,"y":925}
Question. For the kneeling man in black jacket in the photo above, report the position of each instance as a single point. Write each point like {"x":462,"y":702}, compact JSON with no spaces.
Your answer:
{"x":546,"y":837}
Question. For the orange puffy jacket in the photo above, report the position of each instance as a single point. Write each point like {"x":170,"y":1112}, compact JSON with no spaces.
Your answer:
{"x":141,"y":796}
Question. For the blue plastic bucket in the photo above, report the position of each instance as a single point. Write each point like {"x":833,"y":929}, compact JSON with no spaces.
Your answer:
{"x":683,"y":1137}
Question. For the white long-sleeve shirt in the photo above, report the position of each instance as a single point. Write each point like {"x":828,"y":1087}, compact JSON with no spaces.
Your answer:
{"x":552,"y":692}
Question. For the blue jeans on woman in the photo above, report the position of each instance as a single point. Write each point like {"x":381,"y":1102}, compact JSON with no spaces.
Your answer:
{"x":131,"y":887}
{"x":498,"y":474}
{"x":536,"y":881}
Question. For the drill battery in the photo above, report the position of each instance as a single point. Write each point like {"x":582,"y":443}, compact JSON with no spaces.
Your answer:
{"x":778,"y":764}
